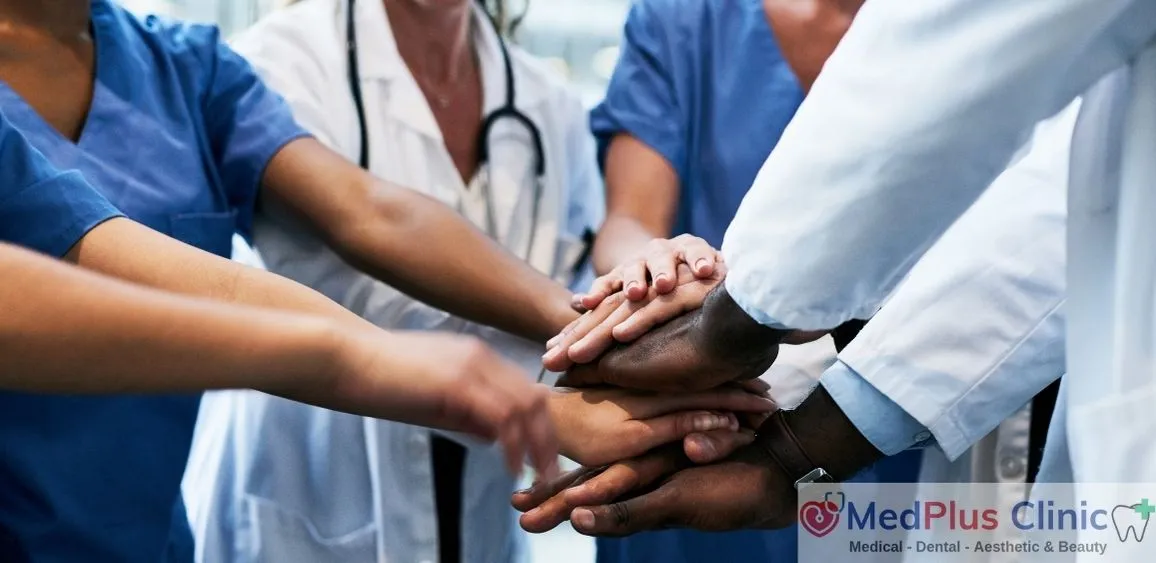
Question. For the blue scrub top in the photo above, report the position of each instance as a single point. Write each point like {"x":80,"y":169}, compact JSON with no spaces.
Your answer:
{"x":178,"y":135}
{"x":42,"y":208}
{"x":705,"y":85}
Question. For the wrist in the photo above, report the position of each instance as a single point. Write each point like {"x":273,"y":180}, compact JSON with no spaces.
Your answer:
{"x":556,"y":407}
{"x":822,"y":434}
{"x":555,"y":314}
{"x":724,"y":330}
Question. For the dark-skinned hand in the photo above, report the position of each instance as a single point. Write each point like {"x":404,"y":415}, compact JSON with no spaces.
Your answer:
{"x":710,"y":346}
{"x":663,"y":488}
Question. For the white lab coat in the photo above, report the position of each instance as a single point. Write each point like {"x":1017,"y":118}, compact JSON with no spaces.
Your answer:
{"x":983,"y":306}
{"x":297,"y":483}
{"x":916,"y":112}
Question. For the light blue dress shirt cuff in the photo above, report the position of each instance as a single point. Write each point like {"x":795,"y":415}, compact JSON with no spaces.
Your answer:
{"x":885,"y":424}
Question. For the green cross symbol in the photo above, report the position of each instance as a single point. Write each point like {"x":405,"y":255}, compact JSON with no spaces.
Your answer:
{"x":1144,"y":509}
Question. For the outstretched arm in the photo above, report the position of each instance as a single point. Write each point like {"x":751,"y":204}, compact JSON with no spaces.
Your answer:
{"x":415,"y":243}
{"x":67,"y":330}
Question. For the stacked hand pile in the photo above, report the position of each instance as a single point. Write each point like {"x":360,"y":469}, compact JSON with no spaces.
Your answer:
{"x":663,"y":332}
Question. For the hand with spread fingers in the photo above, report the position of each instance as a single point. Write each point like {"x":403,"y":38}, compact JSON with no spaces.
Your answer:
{"x":550,"y":503}
{"x":618,"y":319}
{"x":653,"y":268}
{"x":714,"y":481}
{"x":707,"y":347}
{"x":603,"y":425}
{"x":746,"y":490}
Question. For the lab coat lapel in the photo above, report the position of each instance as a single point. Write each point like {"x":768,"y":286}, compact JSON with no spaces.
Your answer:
{"x":381,"y":65}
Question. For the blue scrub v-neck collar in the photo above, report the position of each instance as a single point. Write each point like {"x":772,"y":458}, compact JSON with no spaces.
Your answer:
{"x":98,"y":22}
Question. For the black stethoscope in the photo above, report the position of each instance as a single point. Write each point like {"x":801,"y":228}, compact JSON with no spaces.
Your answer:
{"x":508,"y":110}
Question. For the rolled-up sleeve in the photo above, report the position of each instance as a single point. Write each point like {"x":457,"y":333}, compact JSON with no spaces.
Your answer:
{"x":976,"y":329}
{"x":642,"y":99}
{"x":42,"y":208}
{"x":248,"y":123}
{"x":900,"y":135}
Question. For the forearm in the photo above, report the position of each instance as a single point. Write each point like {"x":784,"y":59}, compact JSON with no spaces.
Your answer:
{"x":163,"y":263}
{"x":622,"y":236}
{"x":64,"y":330}
{"x":426,"y":250}
{"x":641,"y":199}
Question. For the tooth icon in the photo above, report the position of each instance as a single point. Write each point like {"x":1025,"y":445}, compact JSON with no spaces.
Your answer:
{"x":1130,"y":520}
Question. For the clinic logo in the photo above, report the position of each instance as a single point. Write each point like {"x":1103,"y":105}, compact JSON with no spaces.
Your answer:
{"x":820,"y":518}
{"x":1132,"y":520}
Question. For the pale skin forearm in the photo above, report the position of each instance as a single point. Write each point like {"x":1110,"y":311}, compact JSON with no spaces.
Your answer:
{"x":641,"y":196}
{"x":65,"y":330}
{"x":415,"y":243}
{"x":157,"y":261}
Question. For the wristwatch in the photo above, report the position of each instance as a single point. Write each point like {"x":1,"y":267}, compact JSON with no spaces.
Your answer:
{"x":778,"y":440}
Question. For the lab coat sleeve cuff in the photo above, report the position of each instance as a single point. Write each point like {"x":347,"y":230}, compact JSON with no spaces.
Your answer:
{"x":885,"y":424}
{"x":750,"y":305}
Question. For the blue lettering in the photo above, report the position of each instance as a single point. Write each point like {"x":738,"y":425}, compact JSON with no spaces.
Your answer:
{"x":1096,"y":519}
{"x":864,"y":522}
{"x":887,"y":519}
{"x":1015,"y":514}
{"x":909,"y":519}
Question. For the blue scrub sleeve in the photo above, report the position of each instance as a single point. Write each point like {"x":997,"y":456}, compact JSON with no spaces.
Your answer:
{"x":885,"y":424}
{"x":40,"y":207}
{"x":247,"y":123}
{"x":642,"y":99}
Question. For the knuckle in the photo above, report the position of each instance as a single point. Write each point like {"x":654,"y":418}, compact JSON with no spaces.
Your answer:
{"x":619,"y":514}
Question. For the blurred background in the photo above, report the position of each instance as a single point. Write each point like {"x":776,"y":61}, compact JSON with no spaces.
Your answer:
{"x":579,"y":37}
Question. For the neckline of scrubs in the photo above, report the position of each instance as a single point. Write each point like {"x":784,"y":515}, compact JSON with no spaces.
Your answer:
{"x":97,"y":27}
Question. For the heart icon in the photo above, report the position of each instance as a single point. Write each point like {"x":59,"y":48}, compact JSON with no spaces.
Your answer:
{"x":819,"y":517}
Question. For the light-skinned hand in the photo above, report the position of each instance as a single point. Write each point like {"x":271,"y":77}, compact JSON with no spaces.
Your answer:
{"x":619,"y":320}
{"x":654,"y":267}
{"x":603,"y":425}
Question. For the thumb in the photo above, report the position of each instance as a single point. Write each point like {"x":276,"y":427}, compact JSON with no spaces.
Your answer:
{"x":715,"y":445}
{"x":650,"y":511}
{"x":642,"y":436}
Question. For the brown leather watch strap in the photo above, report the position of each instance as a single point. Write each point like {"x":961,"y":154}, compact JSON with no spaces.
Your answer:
{"x":778,"y":440}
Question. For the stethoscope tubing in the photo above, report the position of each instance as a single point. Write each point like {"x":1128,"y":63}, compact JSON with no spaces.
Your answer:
{"x":508,"y":110}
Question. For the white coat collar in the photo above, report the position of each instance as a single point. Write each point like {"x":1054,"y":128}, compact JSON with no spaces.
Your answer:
{"x":379,"y":59}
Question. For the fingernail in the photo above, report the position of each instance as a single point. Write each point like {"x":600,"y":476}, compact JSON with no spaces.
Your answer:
{"x":700,"y":264}
{"x":660,"y":278}
{"x":582,"y":518}
{"x":632,"y":285}
{"x":705,"y":447}
{"x":551,"y":354}
{"x":533,"y":512}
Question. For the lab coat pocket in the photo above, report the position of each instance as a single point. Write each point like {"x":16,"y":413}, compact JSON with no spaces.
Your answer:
{"x":282,"y":536}
{"x":1111,"y":438}
{"x":211,"y":232}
